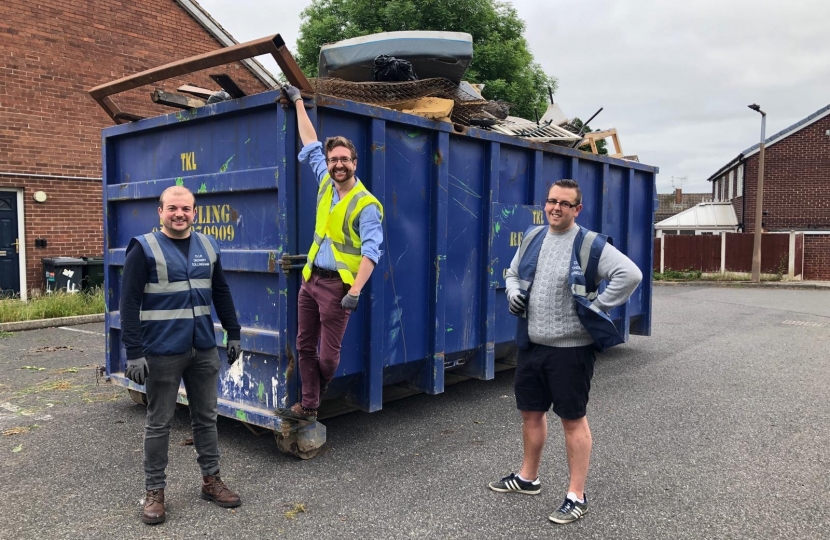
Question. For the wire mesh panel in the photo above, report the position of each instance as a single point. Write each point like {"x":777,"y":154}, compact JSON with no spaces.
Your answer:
{"x":467,"y":106}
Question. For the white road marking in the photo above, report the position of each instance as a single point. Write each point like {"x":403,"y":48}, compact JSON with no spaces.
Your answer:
{"x":82,"y":331}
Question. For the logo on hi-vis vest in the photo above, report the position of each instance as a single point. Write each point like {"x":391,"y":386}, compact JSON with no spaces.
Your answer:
{"x":200,"y":260}
{"x":576,"y":270}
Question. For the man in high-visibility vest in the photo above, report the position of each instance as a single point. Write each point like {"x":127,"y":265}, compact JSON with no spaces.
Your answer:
{"x":171,"y":278}
{"x":552,"y":287}
{"x":345,"y":250}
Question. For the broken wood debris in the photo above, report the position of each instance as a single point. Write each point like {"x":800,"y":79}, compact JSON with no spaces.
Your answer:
{"x":179,"y":101}
{"x":530,"y":130}
{"x":590,"y":139}
{"x":194,"y":90}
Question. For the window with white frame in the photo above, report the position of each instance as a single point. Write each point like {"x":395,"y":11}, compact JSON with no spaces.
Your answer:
{"x":731,"y":179}
{"x":716,"y":190}
{"x":739,"y":189}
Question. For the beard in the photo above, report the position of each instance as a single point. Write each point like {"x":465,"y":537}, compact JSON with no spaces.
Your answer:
{"x":348,"y":176}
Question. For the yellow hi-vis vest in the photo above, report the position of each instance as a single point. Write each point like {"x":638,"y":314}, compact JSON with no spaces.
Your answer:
{"x":336,"y":223}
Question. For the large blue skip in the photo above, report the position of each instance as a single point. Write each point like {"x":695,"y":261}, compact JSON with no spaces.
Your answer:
{"x":456,"y":204}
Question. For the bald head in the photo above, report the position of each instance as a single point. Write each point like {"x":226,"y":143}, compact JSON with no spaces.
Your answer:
{"x":177,"y":191}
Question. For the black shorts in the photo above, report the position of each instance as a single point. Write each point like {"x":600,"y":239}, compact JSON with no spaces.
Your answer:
{"x":558,"y":376}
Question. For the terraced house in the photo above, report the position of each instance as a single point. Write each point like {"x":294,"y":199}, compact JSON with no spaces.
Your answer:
{"x":796,"y":188}
{"x":51,"y":53}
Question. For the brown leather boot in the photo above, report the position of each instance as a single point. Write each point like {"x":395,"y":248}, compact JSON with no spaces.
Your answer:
{"x":154,"y":507}
{"x":214,"y":489}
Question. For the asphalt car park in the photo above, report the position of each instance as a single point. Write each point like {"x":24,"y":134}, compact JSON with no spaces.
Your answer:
{"x":716,"y":426}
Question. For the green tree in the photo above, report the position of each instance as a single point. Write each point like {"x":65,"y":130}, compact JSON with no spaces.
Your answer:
{"x":501,"y":58}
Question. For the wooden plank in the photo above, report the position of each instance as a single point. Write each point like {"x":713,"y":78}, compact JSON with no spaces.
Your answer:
{"x":195,"y":91}
{"x":656,"y":264}
{"x":179,"y":101}
{"x":228,"y":85}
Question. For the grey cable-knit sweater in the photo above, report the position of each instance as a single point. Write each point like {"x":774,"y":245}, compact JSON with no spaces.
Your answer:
{"x":551,"y":313}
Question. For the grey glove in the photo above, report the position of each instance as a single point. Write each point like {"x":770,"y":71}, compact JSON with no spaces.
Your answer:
{"x":137,"y":370}
{"x":291,"y":92}
{"x":234,"y":350}
{"x":518,"y":304}
{"x":350,"y":301}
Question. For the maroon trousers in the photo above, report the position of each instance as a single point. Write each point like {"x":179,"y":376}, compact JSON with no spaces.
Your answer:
{"x":321,"y":321}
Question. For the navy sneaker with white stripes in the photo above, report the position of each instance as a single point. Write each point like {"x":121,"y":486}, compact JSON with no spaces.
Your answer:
{"x":513,"y":484}
{"x":570,"y":511}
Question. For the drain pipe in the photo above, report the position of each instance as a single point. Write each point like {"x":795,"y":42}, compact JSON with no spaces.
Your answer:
{"x":742,"y":163}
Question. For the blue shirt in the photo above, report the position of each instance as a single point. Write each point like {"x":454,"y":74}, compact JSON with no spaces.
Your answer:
{"x":366,"y":224}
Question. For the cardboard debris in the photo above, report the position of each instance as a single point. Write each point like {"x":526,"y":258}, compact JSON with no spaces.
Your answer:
{"x":554,"y":115}
{"x":429,"y":107}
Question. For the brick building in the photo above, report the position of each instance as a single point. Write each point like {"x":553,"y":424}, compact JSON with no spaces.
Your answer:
{"x":51,"y":53}
{"x":671,"y":204}
{"x":796,"y":187}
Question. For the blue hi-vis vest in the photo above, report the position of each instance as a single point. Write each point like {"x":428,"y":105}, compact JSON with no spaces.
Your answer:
{"x":582,"y":278}
{"x":175,"y":308}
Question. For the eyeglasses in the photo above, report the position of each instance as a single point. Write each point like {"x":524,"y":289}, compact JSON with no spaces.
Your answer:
{"x":563,"y":204}
{"x":335,"y":161}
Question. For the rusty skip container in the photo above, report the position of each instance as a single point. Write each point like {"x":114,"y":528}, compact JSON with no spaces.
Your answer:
{"x":456,"y":204}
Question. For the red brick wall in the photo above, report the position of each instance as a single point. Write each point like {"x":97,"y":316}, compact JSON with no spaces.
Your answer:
{"x":51,"y":53}
{"x":817,"y":257}
{"x":69,"y":220}
{"x":796,"y":181}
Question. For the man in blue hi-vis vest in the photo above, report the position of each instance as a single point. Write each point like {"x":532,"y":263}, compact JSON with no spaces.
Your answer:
{"x":552,"y":287}
{"x":170,"y":280}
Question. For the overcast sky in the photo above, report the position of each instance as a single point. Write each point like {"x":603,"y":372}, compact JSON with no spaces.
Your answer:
{"x":674,"y":78}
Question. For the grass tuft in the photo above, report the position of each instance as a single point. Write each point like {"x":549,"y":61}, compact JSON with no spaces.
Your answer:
{"x":299,"y":508}
{"x":697,"y":275}
{"x":58,"y":304}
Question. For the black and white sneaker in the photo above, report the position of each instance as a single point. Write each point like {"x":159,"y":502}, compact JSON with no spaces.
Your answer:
{"x":570,"y":511}
{"x":514,"y":484}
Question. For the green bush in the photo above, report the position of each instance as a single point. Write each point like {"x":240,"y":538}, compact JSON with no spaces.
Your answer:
{"x":678,"y":275}
{"x":58,"y":304}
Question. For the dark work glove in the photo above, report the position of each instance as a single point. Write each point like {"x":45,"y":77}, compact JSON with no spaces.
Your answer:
{"x":518,"y":304}
{"x":350,"y":301}
{"x":234,"y":350}
{"x":291,"y":92}
{"x":137,"y":370}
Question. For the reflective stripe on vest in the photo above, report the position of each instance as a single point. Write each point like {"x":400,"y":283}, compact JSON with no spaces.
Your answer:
{"x":175,"y":311}
{"x":337,"y":224}
{"x":582,"y":279}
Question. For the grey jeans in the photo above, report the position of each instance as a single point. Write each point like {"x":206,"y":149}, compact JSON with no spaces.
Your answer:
{"x":200,"y":372}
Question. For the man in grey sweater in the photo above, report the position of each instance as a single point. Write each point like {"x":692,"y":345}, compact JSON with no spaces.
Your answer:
{"x":557,"y":341}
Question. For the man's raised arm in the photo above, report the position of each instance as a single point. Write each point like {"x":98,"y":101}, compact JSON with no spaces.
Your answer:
{"x":307,"y":133}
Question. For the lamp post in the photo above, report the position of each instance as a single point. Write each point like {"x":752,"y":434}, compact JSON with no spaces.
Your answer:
{"x":759,"y":201}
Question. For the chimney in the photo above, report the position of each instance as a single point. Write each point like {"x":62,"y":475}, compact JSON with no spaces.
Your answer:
{"x":678,"y":195}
